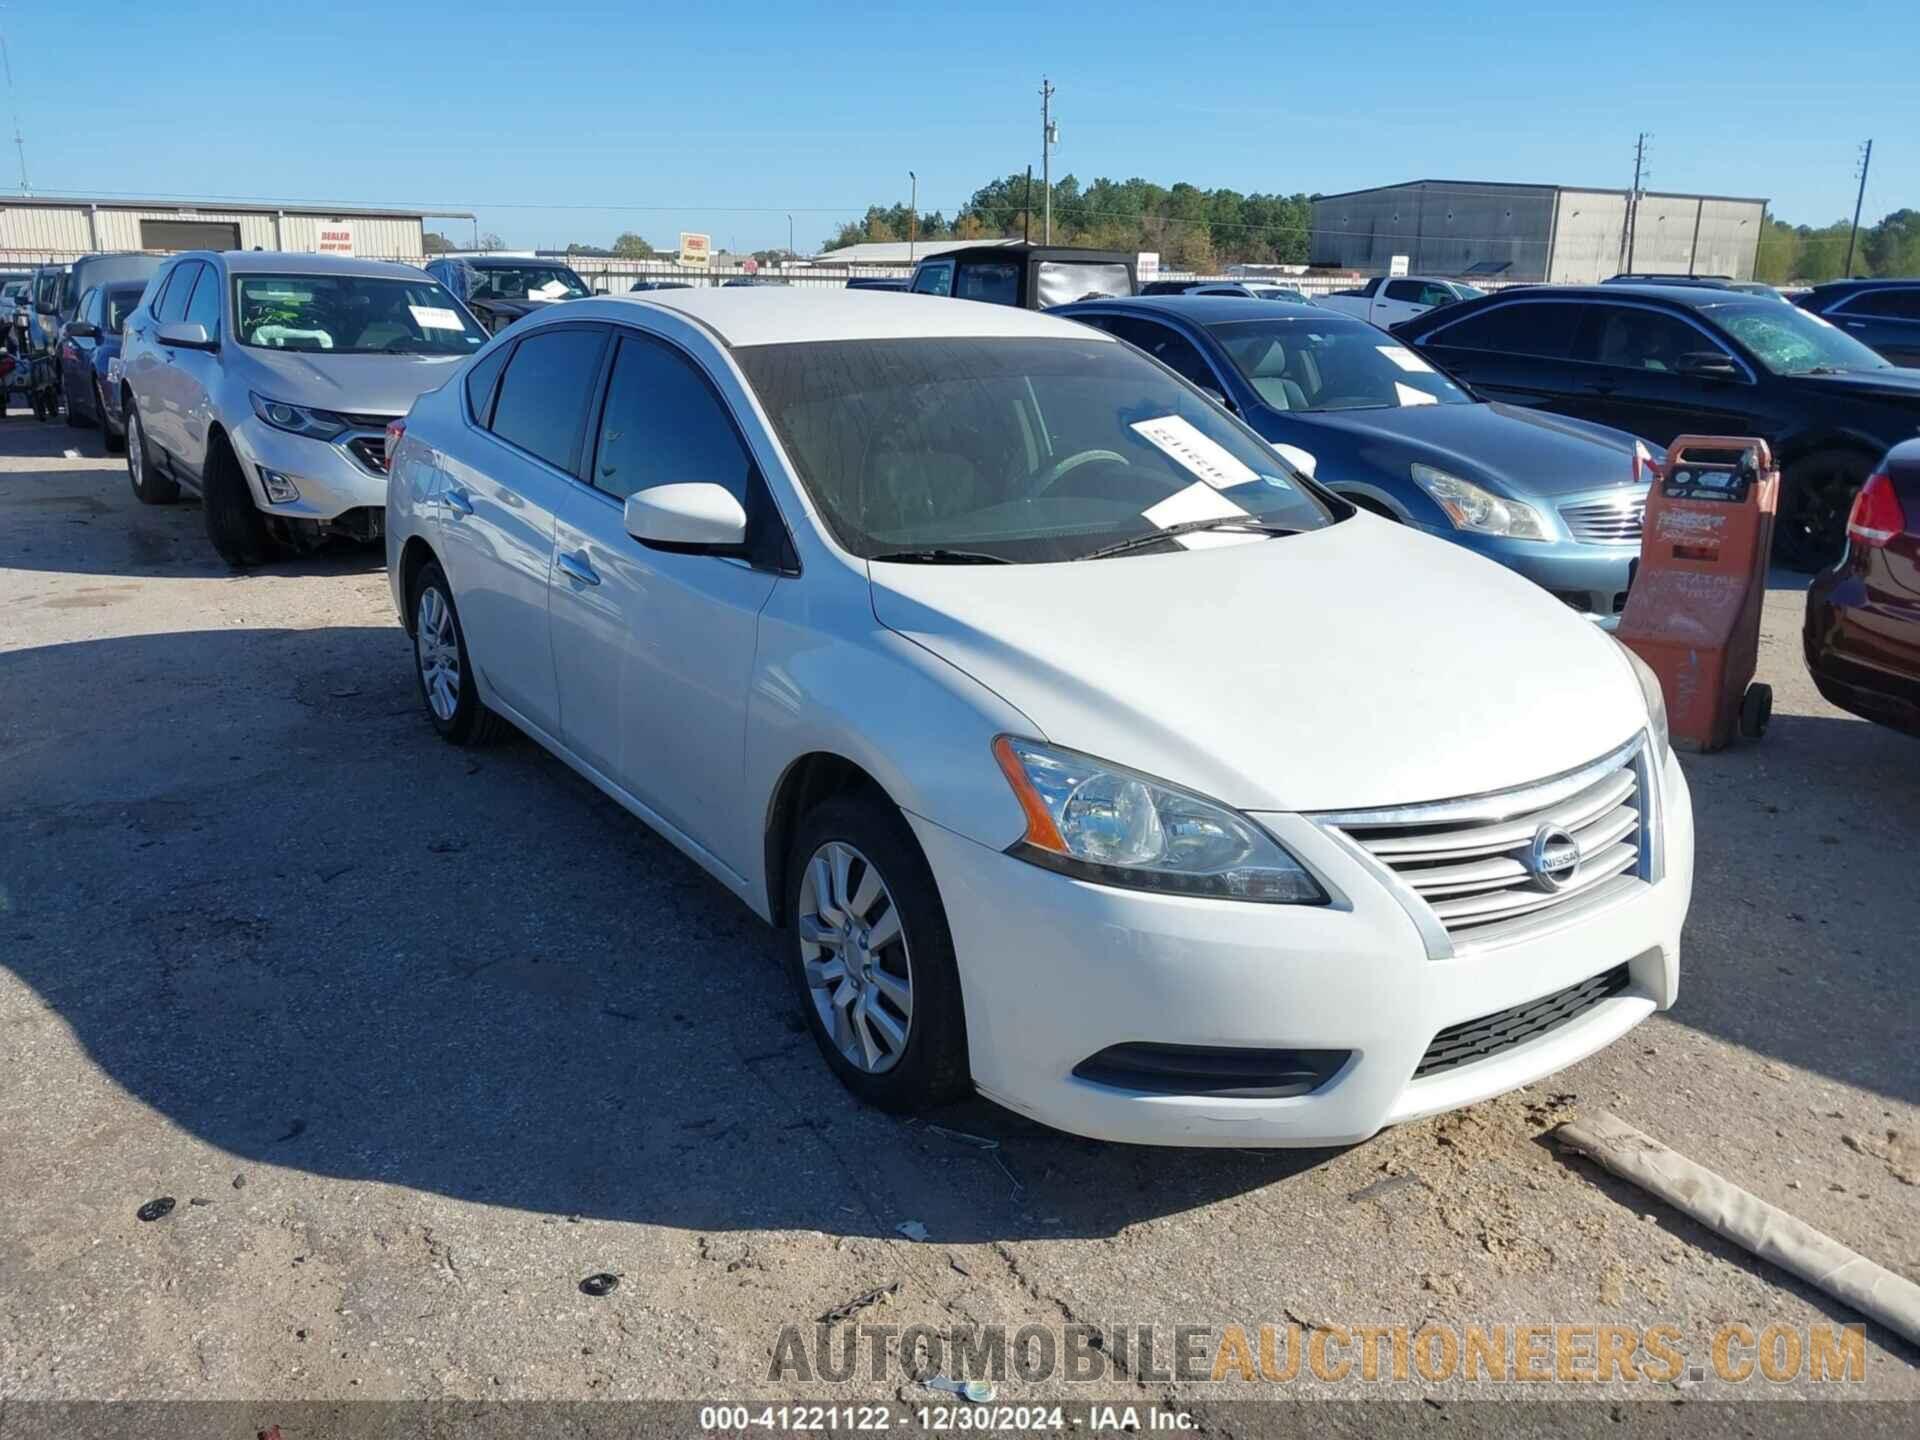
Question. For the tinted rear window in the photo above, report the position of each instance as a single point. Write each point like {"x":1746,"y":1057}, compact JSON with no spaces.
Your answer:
{"x":546,"y":392}
{"x":1518,"y":327}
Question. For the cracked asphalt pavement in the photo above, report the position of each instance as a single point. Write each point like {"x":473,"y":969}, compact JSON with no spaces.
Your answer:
{"x":419,"y":1039}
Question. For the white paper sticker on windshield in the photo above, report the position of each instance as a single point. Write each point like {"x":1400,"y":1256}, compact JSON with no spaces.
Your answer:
{"x":1196,"y":502}
{"x":552,"y":290}
{"x":1405,"y":359}
{"x":1408,"y":395}
{"x":1194,"y":452}
{"x":435,"y":317}
{"x":1301,"y":460}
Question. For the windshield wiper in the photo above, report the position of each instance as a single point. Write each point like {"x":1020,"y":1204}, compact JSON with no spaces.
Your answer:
{"x":940,"y":556}
{"x":1188,"y":527}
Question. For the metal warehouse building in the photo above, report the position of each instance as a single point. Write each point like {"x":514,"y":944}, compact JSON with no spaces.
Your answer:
{"x":41,"y":229}
{"x":1535,"y":232}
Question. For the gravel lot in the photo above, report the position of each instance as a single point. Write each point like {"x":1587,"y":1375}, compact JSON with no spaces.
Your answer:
{"x":418,"y":1039}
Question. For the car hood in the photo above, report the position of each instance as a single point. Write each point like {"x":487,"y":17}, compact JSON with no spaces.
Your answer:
{"x":1522,"y":451}
{"x":362,"y":384}
{"x":1898,"y":384}
{"x":1361,"y":665}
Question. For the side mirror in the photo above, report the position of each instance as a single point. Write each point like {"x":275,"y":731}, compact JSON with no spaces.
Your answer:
{"x":186,"y":335}
{"x":1220,"y":399}
{"x":696,"y":516}
{"x":1708,"y":363}
{"x":82,"y":330}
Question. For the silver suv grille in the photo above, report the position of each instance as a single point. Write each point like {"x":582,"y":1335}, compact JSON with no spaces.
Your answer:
{"x":1491,"y":867}
{"x":1607,"y":522}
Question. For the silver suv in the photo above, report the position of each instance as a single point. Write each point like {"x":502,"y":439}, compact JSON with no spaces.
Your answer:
{"x":266,"y":382}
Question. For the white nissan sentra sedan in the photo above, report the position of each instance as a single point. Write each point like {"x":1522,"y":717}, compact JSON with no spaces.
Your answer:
{"x":1087,"y":754}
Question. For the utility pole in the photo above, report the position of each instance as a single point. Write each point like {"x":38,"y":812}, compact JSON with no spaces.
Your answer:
{"x":1048,"y":134}
{"x":1627,"y":224}
{"x":19,"y":140}
{"x":1866,"y":159}
{"x":913,"y":214}
{"x":789,"y":237}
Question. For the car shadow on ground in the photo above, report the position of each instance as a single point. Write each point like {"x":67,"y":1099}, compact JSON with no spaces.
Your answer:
{"x":275,"y":908}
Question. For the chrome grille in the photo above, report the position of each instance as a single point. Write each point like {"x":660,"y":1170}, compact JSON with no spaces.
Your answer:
{"x":1470,"y":864}
{"x":1607,"y":522}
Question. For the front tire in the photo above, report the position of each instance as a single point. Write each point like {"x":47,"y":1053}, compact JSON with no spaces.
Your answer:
{"x":235,"y":526}
{"x":872,"y":959}
{"x":150,"y":487}
{"x":1816,"y":493}
{"x":77,"y":421}
{"x":442,"y":667}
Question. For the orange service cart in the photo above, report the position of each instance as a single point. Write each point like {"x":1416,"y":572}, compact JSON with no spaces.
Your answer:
{"x":1693,"y":610}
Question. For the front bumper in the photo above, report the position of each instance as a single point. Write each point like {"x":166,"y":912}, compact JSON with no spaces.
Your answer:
{"x":1590,"y":578}
{"x":330,"y":480}
{"x":1055,"y":970}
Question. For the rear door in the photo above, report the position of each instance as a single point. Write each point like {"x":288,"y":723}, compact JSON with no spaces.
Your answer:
{"x":1888,"y":319}
{"x":653,"y":650}
{"x":1658,"y":375}
{"x":1402,"y":300}
{"x":509,"y":473}
{"x":1518,"y":351}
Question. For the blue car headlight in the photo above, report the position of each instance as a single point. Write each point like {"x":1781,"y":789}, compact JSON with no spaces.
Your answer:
{"x":1474,"y":507}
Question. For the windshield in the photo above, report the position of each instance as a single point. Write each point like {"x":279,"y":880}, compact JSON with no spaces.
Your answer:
{"x":1790,"y":341}
{"x":122,"y":301}
{"x":1017,"y":449}
{"x":1311,"y":363}
{"x":1469,"y":292}
{"x":526,"y":282}
{"x":352,"y":315}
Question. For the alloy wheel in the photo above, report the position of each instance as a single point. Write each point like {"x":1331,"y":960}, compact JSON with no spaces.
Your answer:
{"x":438,"y":647}
{"x":136,"y":451}
{"x":854,"y":952}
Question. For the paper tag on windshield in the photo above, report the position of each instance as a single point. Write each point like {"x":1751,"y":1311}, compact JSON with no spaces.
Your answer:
{"x":552,"y":290}
{"x":1196,"y":502}
{"x":1194,"y":452}
{"x":435,"y":317}
{"x":1405,"y":359}
{"x":1408,"y":395}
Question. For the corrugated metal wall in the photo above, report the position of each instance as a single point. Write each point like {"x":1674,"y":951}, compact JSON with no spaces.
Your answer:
{"x":47,"y":232}
{"x":1572,"y":240}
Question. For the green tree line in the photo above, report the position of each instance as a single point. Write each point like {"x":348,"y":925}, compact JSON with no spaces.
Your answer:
{"x":1809,"y":254}
{"x":1191,"y":228}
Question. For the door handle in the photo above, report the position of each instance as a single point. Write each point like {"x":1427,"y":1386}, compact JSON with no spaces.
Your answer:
{"x":458,"y":502}
{"x":576,"y":568}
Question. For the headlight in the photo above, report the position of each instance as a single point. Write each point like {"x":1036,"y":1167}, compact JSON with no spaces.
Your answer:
{"x":298,"y":419}
{"x":1656,"y":701}
{"x":1470,"y":507}
{"x":1102,"y":823}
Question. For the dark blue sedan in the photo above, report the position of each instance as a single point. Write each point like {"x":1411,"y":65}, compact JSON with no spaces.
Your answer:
{"x":1558,"y":500}
{"x":90,"y":359}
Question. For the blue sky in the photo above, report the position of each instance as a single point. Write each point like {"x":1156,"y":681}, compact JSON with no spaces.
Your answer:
{"x":558,"y":120}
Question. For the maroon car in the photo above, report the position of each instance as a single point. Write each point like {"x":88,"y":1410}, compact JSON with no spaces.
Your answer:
{"x":1863,"y":616}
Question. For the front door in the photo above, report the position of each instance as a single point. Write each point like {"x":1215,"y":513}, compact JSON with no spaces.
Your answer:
{"x":654,"y":650}
{"x":505,"y":482}
{"x":1657,"y":376}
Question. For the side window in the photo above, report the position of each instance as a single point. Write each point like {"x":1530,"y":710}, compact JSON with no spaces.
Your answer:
{"x":1629,"y":338}
{"x":664,"y":425}
{"x":995,"y":281}
{"x":204,"y":308}
{"x":1414,"y":292}
{"x":1169,"y":347}
{"x":1436,"y":295}
{"x":934,"y":280}
{"x":85,"y":310}
{"x":547,"y":390}
{"x":1517,"y":327}
{"x":46,"y":292}
{"x":480,"y":382}
{"x":1887,"y":304}
{"x":1371,"y":287}
{"x":173,"y":305}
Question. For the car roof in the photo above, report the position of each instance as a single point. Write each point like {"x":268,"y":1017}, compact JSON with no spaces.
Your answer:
{"x":1694,"y":297}
{"x":504,"y":262}
{"x":1212,"y":309}
{"x":1833,"y":287}
{"x":291,"y":262}
{"x":777,"y":315}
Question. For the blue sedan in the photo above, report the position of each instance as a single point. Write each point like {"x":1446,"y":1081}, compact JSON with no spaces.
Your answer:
{"x":1559,"y":500}
{"x":90,"y":359}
